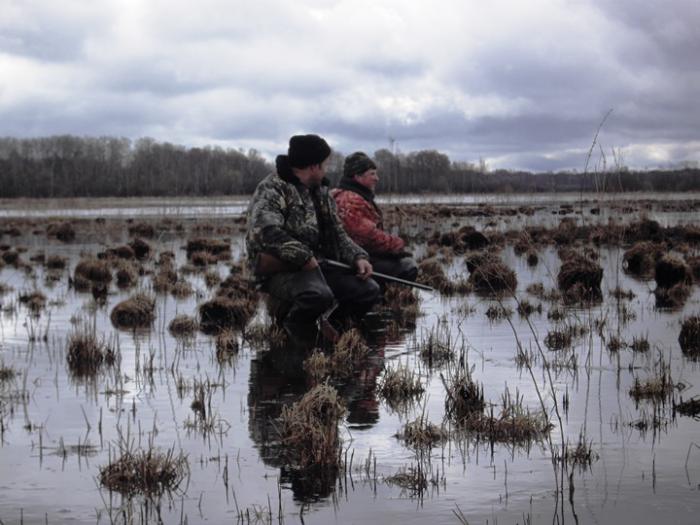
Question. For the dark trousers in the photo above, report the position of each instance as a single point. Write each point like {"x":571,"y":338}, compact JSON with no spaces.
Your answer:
{"x":310,"y":294}
{"x":403,"y":268}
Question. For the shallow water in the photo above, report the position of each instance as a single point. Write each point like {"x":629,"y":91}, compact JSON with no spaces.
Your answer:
{"x":236,"y":472}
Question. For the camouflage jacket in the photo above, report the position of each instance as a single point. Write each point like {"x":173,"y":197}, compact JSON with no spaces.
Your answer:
{"x":283,"y":220}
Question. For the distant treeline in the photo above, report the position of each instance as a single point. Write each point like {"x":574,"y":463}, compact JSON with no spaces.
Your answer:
{"x":69,"y":166}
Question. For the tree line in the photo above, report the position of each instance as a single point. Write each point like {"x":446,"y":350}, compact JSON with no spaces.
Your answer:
{"x":70,"y":166}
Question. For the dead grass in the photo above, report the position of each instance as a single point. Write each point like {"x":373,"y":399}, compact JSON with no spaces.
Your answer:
{"x":209,"y":250}
{"x":579,"y":279}
{"x":689,"y":338}
{"x":658,"y":387}
{"x":62,"y":231}
{"x":411,"y":479}
{"x":400,"y":386}
{"x":671,"y":270}
{"x":464,"y":396}
{"x":673,"y":297}
{"x":90,"y":271}
{"x":420,"y":434}
{"x":309,"y":428}
{"x":183,"y":326}
{"x":690,"y":408}
{"x":232,"y":307}
{"x":640,"y":344}
{"x":641,"y":258}
{"x":226,"y":345}
{"x":127,"y":273}
{"x":148,"y":472}
{"x":436,"y":349}
{"x":35,"y":301}
{"x":492,"y":276}
{"x":558,"y":339}
{"x":6,"y":373}
{"x":135,"y":312}
{"x":497,"y":312}
{"x":86,"y":354}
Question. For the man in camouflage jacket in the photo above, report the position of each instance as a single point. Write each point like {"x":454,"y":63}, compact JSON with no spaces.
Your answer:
{"x":362,"y":218}
{"x":292,"y":217}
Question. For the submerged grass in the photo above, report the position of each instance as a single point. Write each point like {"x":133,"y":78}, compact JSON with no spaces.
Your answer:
{"x":148,"y":472}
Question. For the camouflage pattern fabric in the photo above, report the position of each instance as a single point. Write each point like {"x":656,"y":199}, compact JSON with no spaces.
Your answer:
{"x":283,"y":221}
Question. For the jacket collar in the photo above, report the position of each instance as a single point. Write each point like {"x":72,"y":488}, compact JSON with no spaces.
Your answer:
{"x":349,"y":184}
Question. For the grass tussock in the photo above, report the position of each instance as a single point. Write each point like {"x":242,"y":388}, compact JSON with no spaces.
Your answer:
{"x":673,"y":297}
{"x":420,"y":434}
{"x":136,"y":312}
{"x":309,"y":428}
{"x":689,"y":338}
{"x":431,"y":273}
{"x":62,"y":231}
{"x":7,"y":373}
{"x":526,"y":308}
{"x":148,"y":472}
{"x":498,"y":312}
{"x":86,"y":354}
{"x":671,"y":270}
{"x":464,"y":396}
{"x":400,"y":386}
{"x":402,"y":301}
{"x":55,"y":262}
{"x":232,"y":307}
{"x":410,"y":479}
{"x":491,"y":276}
{"x":208,"y":250}
{"x":142,"y":229}
{"x":35,"y":301}
{"x":579,"y":279}
{"x":90,"y":271}
{"x":226,"y":344}
{"x":437,"y":347}
{"x":514,"y":424}
{"x":641,"y":258}
{"x":142,"y":250}
{"x":658,"y":387}
{"x":183,"y":326}
{"x":558,"y":339}
{"x":127,"y":273}
{"x":689,"y":408}
{"x":640,"y":344}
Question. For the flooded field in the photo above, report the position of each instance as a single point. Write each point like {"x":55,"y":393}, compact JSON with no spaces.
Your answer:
{"x":551,"y":377}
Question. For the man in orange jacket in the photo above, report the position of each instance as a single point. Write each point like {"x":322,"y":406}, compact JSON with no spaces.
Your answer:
{"x":362,"y":219}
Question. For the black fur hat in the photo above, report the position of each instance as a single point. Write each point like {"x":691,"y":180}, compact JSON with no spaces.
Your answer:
{"x":357,"y":164}
{"x":307,"y":150}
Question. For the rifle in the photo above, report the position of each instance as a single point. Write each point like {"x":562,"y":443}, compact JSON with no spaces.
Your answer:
{"x":384,"y":276}
{"x":267,"y":264}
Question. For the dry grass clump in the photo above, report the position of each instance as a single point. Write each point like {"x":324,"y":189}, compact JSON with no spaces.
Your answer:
{"x":212,"y":278}
{"x":641,"y":258}
{"x":55,"y":262}
{"x":673,"y":297}
{"x":127,"y":273}
{"x":91,"y":271}
{"x":309,"y":428}
{"x":63,"y":231}
{"x":120,"y":252}
{"x":671,"y":270}
{"x":402,"y":301}
{"x":492,"y":276}
{"x":220,"y":250}
{"x":399,"y":386}
{"x":431,"y":273}
{"x":515,"y":424}
{"x":464,"y":396}
{"x":690,"y":408}
{"x":183,"y":326}
{"x":622,"y":295}
{"x":35,"y":300}
{"x":689,"y":338}
{"x":226,"y":345}
{"x":498,"y":312}
{"x":657,"y":388}
{"x":526,"y":308}
{"x":421,"y":434}
{"x":437,"y":348}
{"x":410,"y":479}
{"x":640,"y":344}
{"x":6,"y":373}
{"x":86,"y":354}
{"x":12,"y":257}
{"x":694,"y":264}
{"x":350,"y":349}
{"x":318,"y":365}
{"x":148,"y":472}
{"x":232,"y":307}
{"x":582,"y":455}
{"x":265,"y":336}
{"x":538,"y":290}
{"x":142,"y":229}
{"x":466,"y":238}
{"x":142,"y":250}
{"x":558,"y":339}
{"x":579,"y":279}
{"x":615,"y":343}
{"x":135,"y":312}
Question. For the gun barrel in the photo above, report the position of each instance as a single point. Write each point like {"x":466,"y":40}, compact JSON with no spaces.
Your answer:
{"x":384,"y":276}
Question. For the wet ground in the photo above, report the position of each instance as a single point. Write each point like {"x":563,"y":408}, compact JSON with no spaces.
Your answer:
{"x":58,"y":429}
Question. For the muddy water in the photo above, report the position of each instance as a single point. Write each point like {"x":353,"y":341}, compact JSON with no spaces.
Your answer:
{"x":58,"y":430}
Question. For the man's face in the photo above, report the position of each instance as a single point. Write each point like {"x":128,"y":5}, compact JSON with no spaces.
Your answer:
{"x":316,"y":174}
{"x":368,"y":179}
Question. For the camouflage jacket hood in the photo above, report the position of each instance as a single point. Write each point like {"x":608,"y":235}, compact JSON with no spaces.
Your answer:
{"x":292,"y":222}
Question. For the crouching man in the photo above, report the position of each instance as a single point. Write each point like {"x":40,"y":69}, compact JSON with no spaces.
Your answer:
{"x":362,"y":218}
{"x":292,"y":225}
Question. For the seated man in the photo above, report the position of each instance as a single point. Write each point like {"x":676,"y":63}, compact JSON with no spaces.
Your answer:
{"x":292,"y":223}
{"x":362,"y":219}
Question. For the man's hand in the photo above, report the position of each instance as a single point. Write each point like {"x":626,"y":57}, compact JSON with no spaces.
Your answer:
{"x":309,"y":265}
{"x":364,"y":269}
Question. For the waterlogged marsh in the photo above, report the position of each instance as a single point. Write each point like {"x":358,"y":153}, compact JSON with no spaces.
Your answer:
{"x":221,"y":408}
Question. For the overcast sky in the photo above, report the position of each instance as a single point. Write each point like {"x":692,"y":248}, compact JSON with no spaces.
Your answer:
{"x":521,"y":84}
